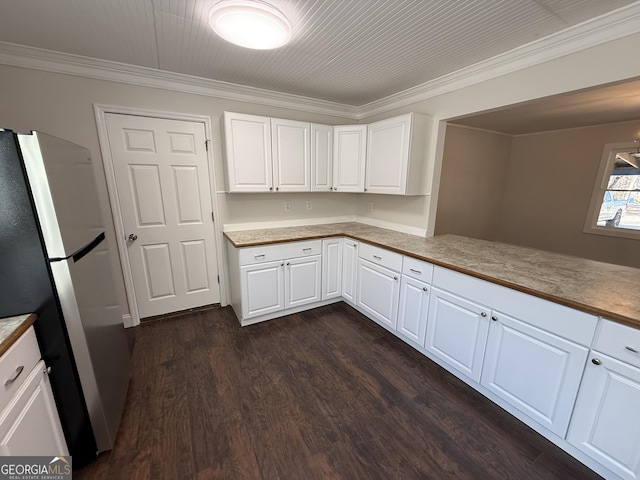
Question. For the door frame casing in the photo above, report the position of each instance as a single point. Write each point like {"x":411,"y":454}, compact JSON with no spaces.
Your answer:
{"x":100,"y":110}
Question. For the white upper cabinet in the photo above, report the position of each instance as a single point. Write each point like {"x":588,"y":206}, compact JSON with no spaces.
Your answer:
{"x":397,"y":155}
{"x":291,"y":149}
{"x":349,"y":156}
{"x":248,"y":153}
{"x":321,"y":158}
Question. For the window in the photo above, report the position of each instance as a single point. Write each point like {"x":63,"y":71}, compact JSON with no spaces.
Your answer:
{"x":615,"y":203}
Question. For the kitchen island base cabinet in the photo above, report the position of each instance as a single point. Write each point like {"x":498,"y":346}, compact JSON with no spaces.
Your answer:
{"x":457,"y":332}
{"x":30,"y":425}
{"x":535,"y":371}
{"x":605,"y":423}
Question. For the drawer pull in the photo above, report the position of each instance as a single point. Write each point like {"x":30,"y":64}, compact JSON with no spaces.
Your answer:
{"x":377,"y":257}
{"x":631,"y":349}
{"x":416,"y":271}
{"x":260,"y":255}
{"x":15,"y":376}
{"x":306,"y":249}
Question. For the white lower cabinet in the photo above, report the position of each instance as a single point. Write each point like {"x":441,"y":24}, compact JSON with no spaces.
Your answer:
{"x":30,"y":424}
{"x":29,"y":421}
{"x":349,"y":270}
{"x":457,"y":332}
{"x":302,"y":281}
{"x":606,"y":420}
{"x":378,"y":292}
{"x":413,"y":309}
{"x":535,"y":371}
{"x":262,"y":288}
{"x":332,"y":268}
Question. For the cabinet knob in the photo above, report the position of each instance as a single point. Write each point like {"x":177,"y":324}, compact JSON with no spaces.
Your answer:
{"x":282,"y":264}
{"x":425,"y":289}
{"x":494,"y":318}
{"x":335,"y":189}
{"x":483,"y":314}
{"x":595,"y":361}
{"x":271,"y":189}
{"x":395,"y":278}
{"x":365,"y":189}
{"x":288,"y":264}
{"x":277,"y":188}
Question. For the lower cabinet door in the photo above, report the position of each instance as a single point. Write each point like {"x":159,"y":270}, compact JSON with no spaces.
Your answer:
{"x":30,"y":425}
{"x":413,"y":309}
{"x":457,"y":332}
{"x":606,"y":419}
{"x":262,"y":287}
{"x":331,"y":268}
{"x":535,"y":371}
{"x":349,"y":270}
{"x":302,"y":281}
{"x":378,"y":291}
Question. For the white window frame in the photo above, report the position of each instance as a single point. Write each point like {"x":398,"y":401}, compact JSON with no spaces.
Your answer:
{"x":602,"y":180}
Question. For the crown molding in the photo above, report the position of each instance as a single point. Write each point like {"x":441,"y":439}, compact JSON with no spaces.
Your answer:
{"x":605,"y":28}
{"x":611,"y":26}
{"x":77,"y":65}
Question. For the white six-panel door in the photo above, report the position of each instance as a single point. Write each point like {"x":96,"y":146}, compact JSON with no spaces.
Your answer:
{"x":162,"y":177}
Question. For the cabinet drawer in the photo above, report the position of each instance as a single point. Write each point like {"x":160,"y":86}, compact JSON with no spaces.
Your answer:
{"x":566,"y":322}
{"x":380,"y":256}
{"x":619,"y":341}
{"x":415,"y":268}
{"x":279,"y":251}
{"x":17,"y":363}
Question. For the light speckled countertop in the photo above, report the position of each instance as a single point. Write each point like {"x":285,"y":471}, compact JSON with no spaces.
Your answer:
{"x":11,"y":328}
{"x":611,"y":291}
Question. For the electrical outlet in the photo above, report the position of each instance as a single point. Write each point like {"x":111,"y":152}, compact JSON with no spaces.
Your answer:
{"x":287,"y":206}
{"x":370,"y":206}
{"x":309,"y":206}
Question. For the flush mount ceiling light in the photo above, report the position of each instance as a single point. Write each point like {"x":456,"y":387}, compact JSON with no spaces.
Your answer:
{"x":250,"y":23}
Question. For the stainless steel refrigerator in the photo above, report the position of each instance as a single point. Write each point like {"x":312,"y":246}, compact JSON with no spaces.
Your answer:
{"x":54,"y":262}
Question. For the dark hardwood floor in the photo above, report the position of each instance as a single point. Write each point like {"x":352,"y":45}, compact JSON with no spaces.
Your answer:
{"x":324,"y":394}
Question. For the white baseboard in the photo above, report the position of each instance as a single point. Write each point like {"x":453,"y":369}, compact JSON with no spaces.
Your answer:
{"x":300,"y":222}
{"x":398,"y":227}
{"x":127,"y":321}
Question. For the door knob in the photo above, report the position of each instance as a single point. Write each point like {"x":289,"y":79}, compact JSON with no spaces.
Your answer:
{"x":133,"y":237}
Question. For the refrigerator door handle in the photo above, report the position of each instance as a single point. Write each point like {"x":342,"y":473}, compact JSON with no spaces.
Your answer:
{"x":76,"y":256}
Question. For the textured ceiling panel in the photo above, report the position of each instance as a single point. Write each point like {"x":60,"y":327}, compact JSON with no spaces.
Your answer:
{"x":351,"y":52}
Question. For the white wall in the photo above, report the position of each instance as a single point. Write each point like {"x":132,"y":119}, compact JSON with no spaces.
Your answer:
{"x":62,"y":105}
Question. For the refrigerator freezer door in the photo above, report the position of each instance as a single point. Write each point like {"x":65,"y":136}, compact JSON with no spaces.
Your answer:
{"x":97,"y":337}
{"x":64,"y":190}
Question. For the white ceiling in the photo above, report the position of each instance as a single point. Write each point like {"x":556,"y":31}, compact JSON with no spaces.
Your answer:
{"x":351,"y":52}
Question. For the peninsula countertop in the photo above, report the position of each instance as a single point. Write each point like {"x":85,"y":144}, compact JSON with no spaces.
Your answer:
{"x":607,"y":290}
{"x":12,"y":328}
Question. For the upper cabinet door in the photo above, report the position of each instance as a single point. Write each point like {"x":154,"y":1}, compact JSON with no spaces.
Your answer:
{"x":388,"y":155}
{"x":291,"y":147}
{"x":248,"y":153}
{"x":349,"y":155}
{"x":321,"y":158}
{"x":397,"y":153}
